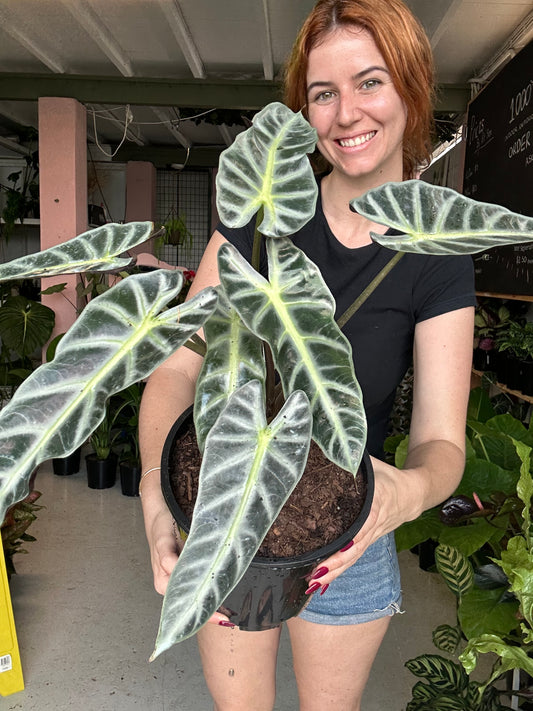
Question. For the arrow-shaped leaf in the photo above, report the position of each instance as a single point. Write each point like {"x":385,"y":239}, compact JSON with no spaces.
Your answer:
{"x":95,"y":250}
{"x":436,"y":220}
{"x":248,"y":471}
{"x":119,"y":338}
{"x":294,"y":313}
{"x":266,"y":166}
{"x":234,"y":356}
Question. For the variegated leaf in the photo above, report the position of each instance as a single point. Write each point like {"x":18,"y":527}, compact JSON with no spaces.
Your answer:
{"x":436,"y":220}
{"x":95,"y":250}
{"x":248,"y":471}
{"x":118,"y":339}
{"x":442,"y":673}
{"x":234,"y":356}
{"x":266,"y":166}
{"x":294,"y":313}
{"x":447,"y":638}
{"x":455,"y":568}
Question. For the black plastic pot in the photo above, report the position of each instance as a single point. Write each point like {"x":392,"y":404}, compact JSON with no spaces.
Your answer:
{"x":101,"y":473}
{"x":130,"y":476}
{"x":273,"y":589}
{"x":70,"y":464}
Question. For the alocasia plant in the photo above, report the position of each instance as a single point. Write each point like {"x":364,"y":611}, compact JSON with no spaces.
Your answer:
{"x":126,"y":332}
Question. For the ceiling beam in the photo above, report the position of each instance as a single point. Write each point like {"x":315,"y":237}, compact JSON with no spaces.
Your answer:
{"x":180,"y":30}
{"x":191,"y":93}
{"x":31,"y":44}
{"x":195,"y":93}
{"x":172,"y":126}
{"x":98,"y":32}
{"x":266,"y":39}
{"x":14,"y":146}
{"x":164,"y":156}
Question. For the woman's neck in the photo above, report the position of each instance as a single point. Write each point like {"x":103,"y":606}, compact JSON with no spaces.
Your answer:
{"x":351,"y":229}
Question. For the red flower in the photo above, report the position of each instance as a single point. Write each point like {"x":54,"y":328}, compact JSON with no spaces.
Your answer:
{"x":189,"y":274}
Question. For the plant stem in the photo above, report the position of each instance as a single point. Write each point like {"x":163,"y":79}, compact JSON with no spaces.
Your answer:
{"x":256,"y":249}
{"x":196,"y":344}
{"x":363,"y":296}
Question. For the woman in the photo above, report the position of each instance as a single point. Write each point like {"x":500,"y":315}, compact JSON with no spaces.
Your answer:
{"x":362,"y":70}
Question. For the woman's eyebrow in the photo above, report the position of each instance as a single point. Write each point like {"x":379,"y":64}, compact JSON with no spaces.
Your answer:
{"x":356,"y":77}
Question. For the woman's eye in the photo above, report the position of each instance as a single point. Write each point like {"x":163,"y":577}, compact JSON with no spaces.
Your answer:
{"x":324,"y":97}
{"x":370,"y":84}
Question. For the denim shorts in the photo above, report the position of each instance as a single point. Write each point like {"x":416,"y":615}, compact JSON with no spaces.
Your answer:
{"x":366,"y":591}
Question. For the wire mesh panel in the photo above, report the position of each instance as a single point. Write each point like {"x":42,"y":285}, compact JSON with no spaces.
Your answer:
{"x":185,"y":194}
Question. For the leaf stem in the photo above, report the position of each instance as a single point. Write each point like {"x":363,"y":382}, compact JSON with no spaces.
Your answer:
{"x":363,"y":296}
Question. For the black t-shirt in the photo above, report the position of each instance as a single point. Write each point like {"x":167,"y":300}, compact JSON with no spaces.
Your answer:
{"x":381,"y":332}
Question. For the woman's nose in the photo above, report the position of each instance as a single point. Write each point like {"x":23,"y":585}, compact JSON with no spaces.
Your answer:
{"x":349,"y":110}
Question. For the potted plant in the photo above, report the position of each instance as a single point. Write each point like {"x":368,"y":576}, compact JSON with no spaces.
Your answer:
{"x":484,"y":552}
{"x":22,"y":200}
{"x":488,"y":322}
{"x":125,"y":333}
{"x":516,"y":340}
{"x":128,"y":421}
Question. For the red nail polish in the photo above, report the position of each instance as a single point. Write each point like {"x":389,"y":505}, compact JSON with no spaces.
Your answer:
{"x":312,"y":588}
{"x":347,"y":546}
{"x":320,"y":573}
{"x":224,"y":623}
{"x":324,"y":588}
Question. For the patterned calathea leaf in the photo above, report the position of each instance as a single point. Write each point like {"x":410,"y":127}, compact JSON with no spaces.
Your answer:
{"x":249,"y":469}
{"x":96,"y":250}
{"x":436,"y":220}
{"x":295,"y":316}
{"x":118,"y":339}
{"x":267,"y":167}
{"x":455,"y":568}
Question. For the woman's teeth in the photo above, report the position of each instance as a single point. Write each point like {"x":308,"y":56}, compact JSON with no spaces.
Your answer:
{"x":351,"y":142}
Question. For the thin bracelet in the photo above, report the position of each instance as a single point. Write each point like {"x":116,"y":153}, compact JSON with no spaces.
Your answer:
{"x":148,"y":471}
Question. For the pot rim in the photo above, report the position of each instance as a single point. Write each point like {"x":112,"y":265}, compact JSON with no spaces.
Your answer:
{"x":261,"y":561}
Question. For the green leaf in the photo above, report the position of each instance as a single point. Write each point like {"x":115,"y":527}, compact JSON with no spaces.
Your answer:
{"x":25,"y":325}
{"x":517,"y":563}
{"x":524,"y":488}
{"x":248,"y":471}
{"x":447,"y":638}
{"x":118,"y":339}
{"x":266,"y":166}
{"x":95,"y":250}
{"x":455,"y":568}
{"x":485,"y":478}
{"x":487,"y":611}
{"x":424,"y":692}
{"x":441,"y":673}
{"x":411,"y":533}
{"x":437,"y":220}
{"x":480,"y":405}
{"x":234,"y":356}
{"x":468,"y":539}
{"x":493,"y":445}
{"x":511,"y":657}
{"x":296,"y":318}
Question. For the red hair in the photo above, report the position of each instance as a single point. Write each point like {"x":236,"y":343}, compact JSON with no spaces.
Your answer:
{"x":405,"y":48}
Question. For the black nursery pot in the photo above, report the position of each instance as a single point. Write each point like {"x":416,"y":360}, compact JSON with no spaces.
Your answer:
{"x":70,"y":464}
{"x":101,"y":473}
{"x":130,"y":476}
{"x":273,"y":589}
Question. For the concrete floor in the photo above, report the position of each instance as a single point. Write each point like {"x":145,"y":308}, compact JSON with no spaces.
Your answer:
{"x":87,"y":616}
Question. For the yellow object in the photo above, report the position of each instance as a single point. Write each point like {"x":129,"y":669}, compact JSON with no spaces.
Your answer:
{"x":11,"y":679}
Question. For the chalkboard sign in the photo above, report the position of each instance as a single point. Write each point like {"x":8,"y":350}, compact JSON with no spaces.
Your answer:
{"x":499,"y":168}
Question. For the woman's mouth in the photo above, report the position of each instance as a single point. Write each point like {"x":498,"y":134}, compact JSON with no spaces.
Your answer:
{"x":358,"y":141}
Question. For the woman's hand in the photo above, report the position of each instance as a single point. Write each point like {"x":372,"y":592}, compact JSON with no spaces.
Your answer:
{"x":388,"y":511}
{"x":165,"y":547}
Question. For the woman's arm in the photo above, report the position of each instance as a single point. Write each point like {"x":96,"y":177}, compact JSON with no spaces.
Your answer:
{"x":435,"y":460}
{"x":169,"y":391}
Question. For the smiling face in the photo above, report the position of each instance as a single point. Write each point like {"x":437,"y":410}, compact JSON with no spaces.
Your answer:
{"x":353,"y":104}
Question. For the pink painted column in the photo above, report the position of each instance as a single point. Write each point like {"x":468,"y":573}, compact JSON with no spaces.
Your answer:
{"x":141,"y":178}
{"x":63,"y":191}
